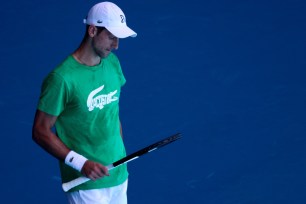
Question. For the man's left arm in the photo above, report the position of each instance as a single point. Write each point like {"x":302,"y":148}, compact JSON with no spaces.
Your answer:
{"x":121,"y":129}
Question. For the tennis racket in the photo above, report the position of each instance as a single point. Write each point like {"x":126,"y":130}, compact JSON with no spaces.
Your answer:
{"x":78,"y":181}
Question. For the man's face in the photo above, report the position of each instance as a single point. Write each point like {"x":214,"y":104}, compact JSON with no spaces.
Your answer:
{"x":104,"y":42}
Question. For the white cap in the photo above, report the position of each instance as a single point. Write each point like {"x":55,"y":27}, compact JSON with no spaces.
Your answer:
{"x":110,"y":16}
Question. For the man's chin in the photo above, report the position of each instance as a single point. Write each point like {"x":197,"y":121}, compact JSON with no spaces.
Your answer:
{"x":104,"y":55}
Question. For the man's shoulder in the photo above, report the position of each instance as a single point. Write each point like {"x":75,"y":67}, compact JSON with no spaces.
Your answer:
{"x":60,"y":72}
{"x":112,"y":57}
{"x":65,"y":65}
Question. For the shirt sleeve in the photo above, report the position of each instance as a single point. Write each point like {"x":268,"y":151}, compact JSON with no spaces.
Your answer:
{"x":121,"y":75}
{"x":117,"y":65}
{"x":54,"y":95}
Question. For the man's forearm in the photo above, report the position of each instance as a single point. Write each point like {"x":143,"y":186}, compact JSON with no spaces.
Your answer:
{"x":51,"y":143}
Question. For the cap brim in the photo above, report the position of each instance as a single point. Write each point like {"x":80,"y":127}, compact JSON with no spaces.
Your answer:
{"x":122,"y":31}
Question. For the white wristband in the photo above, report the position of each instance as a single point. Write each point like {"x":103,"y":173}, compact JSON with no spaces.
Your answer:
{"x":75,"y":160}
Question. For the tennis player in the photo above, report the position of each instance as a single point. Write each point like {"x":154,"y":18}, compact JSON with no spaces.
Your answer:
{"x":80,"y":98}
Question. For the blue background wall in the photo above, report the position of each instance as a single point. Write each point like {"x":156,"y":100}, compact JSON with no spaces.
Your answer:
{"x":229,"y":75}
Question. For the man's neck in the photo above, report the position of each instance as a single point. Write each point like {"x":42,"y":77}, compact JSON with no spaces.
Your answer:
{"x":86,"y":56}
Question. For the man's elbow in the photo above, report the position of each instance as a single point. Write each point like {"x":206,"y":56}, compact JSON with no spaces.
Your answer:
{"x":36,"y":135}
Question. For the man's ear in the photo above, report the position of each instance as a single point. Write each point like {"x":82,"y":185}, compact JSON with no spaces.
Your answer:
{"x":92,"y":30}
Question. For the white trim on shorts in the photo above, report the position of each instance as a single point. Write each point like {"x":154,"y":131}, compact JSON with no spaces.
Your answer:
{"x":112,"y":195}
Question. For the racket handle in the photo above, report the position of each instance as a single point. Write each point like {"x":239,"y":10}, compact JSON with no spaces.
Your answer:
{"x":71,"y":184}
{"x":78,"y":181}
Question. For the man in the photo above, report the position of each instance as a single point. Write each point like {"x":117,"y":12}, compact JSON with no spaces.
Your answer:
{"x":80,"y":98}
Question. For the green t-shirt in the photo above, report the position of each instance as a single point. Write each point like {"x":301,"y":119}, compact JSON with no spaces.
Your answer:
{"x":86,"y":101}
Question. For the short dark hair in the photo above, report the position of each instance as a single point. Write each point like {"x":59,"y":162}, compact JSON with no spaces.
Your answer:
{"x":100,"y":29}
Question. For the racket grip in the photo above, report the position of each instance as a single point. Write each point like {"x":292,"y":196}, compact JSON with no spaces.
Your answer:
{"x":71,"y":184}
{"x":78,"y":181}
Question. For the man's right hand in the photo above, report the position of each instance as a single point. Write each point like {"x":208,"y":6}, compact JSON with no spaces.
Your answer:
{"x":94,"y":170}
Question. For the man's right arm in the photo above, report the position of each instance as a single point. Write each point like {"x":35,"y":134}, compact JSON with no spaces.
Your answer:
{"x":43,"y":135}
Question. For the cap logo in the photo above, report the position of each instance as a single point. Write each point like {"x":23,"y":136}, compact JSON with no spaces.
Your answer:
{"x":99,"y":21}
{"x":122,"y":18}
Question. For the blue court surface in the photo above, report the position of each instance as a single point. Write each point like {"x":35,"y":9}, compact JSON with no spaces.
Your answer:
{"x":229,"y":75}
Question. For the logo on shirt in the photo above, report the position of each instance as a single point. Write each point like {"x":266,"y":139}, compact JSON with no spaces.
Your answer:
{"x":99,"y":101}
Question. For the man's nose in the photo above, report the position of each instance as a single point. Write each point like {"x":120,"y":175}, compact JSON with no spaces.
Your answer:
{"x":115,"y":43}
